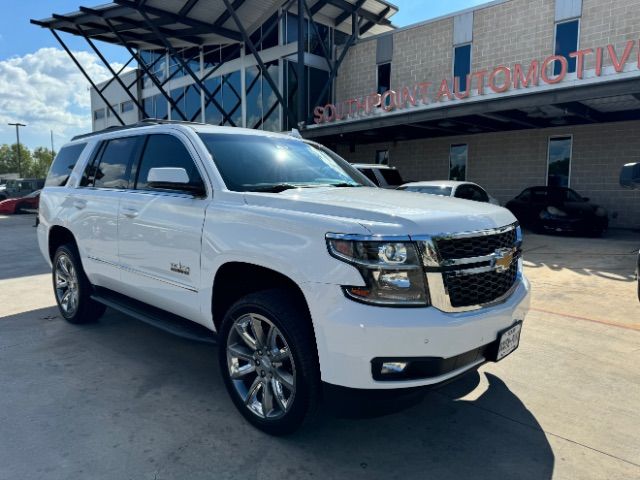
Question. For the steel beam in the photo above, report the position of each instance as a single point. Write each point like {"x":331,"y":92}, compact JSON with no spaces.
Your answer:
{"x":224,"y":32}
{"x":150,"y":74}
{"x":225,"y":116}
{"x":300,"y":67}
{"x":256,"y":55}
{"x":347,"y":11}
{"x":86,"y":75}
{"x":115,"y":75}
{"x":186,"y":8}
{"x":226,"y":15}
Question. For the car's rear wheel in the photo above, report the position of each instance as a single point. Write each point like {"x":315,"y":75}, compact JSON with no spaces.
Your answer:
{"x":269,"y":361}
{"x":72,"y":287}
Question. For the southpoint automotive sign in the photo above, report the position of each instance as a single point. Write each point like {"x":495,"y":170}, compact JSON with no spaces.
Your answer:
{"x":500,"y":80}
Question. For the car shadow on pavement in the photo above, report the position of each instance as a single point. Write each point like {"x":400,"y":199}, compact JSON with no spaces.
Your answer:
{"x":120,"y":399}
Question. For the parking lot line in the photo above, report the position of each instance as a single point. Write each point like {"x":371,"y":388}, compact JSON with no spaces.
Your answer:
{"x":593,"y":320}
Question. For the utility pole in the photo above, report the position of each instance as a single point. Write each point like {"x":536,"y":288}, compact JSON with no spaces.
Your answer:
{"x":18,"y":125}
{"x":53,"y":152}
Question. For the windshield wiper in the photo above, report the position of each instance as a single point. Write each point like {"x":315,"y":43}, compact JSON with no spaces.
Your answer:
{"x":344,"y":185}
{"x":276,"y":188}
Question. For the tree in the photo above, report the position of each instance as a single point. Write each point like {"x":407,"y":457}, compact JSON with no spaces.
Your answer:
{"x":31,"y":165}
{"x":40,"y":162}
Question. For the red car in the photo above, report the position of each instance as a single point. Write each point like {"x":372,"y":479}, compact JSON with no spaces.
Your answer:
{"x":17,"y":205}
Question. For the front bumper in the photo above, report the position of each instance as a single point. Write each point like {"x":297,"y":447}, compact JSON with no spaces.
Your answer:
{"x":351,"y":335}
{"x":575,"y":225}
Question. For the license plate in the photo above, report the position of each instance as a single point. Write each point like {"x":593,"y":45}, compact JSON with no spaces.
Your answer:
{"x":508,"y":341}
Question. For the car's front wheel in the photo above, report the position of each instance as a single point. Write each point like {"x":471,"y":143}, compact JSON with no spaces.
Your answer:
{"x":269,"y":361}
{"x":72,"y":287}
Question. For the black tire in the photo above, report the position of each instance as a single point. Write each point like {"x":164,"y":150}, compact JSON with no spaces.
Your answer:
{"x":86,"y":310}
{"x":291,"y":317}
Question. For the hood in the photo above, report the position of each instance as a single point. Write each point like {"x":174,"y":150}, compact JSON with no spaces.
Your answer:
{"x":387,"y":212}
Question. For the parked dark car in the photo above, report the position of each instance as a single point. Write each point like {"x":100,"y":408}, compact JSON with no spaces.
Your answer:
{"x":630,"y":178}
{"x":558,"y":209}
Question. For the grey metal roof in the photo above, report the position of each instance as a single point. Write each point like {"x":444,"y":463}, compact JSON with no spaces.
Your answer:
{"x":204,"y":22}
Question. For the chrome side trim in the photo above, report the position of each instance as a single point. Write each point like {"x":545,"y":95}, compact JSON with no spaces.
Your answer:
{"x":144,"y":274}
{"x":367,"y":238}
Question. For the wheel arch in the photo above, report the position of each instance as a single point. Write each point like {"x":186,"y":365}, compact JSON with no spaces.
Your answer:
{"x":235,"y":279}
{"x":58,"y":236}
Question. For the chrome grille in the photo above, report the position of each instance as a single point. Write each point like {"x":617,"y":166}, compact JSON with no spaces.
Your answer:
{"x":470,"y":270}
{"x":456,"y":248}
{"x":479,"y":289}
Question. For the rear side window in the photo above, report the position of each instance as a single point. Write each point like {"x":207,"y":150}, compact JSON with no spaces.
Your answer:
{"x":166,"y":151}
{"x":115,"y":162}
{"x":392,"y":177}
{"x":367,"y":172}
{"x":63,"y":164}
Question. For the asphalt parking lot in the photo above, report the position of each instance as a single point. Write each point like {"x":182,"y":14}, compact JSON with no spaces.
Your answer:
{"x":119,"y":399}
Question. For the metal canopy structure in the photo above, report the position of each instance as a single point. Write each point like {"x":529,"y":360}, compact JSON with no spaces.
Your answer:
{"x":171,"y":25}
{"x":613,"y":101}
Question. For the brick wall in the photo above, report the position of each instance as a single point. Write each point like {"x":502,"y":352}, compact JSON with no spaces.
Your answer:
{"x":423,"y":53}
{"x":609,"y":22}
{"x":512,"y":32}
{"x":504,"y":34}
{"x":505,"y":163}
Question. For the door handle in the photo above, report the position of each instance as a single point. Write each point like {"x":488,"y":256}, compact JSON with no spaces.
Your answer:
{"x":130,"y":212}
{"x":79,"y":203}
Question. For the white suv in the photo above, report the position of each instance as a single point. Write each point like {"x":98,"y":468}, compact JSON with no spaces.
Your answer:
{"x":311,"y":280}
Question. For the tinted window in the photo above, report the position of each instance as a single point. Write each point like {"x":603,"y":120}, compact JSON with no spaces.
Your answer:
{"x":166,"y":151}
{"x":559,"y":161}
{"x":566,"y":43}
{"x":432,"y":190}
{"x":392,"y":177}
{"x":458,"y":162}
{"x":382,"y":157}
{"x":525,"y":196}
{"x":384,"y":77}
{"x":260,"y":163}
{"x":114,"y":162}
{"x":63,"y":164}
{"x":368,"y":172}
{"x":462,"y":65}
{"x":471,"y":192}
{"x":539,"y":195}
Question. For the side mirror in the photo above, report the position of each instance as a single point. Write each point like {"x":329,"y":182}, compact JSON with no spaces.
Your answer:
{"x":173,"y":178}
{"x":630,"y":175}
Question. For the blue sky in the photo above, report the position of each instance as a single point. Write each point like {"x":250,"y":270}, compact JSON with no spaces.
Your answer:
{"x":39,"y":85}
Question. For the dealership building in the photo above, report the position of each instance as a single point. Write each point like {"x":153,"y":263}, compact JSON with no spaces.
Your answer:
{"x":509,"y":94}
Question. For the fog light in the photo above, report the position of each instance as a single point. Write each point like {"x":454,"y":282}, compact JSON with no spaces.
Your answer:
{"x":393,"y":367}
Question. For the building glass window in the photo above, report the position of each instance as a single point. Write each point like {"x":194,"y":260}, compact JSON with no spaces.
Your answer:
{"x":384,"y":77}
{"x":212,"y":114}
{"x":566,"y":43}
{"x":382,"y":157}
{"x":98,"y":114}
{"x":253,"y":79}
{"x":270,"y":104}
{"x":458,"y":162}
{"x":158,"y":69}
{"x":126,"y":106}
{"x":232,"y":97}
{"x":462,"y":65}
{"x":559,"y":161}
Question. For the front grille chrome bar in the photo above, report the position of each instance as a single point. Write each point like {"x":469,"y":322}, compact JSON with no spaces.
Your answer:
{"x":497,"y":261}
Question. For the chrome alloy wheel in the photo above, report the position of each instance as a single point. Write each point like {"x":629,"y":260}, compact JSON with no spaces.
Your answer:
{"x":261,"y":366}
{"x":66,"y":281}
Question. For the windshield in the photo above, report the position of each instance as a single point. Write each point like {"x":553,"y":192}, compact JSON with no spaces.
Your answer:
{"x":564,"y":195}
{"x":255,"y":163}
{"x":432,"y":190}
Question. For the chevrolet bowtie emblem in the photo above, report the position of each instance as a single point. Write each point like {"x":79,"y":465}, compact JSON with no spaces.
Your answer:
{"x":502,"y":259}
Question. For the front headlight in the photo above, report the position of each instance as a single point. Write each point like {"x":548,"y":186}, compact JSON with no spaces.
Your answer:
{"x":391,"y":270}
{"x":555,"y":212}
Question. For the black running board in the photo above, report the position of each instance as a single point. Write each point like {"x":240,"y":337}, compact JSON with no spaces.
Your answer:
{"x":156,"y":317}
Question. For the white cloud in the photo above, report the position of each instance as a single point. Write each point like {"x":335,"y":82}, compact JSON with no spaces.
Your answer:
{"x":47,"y":91}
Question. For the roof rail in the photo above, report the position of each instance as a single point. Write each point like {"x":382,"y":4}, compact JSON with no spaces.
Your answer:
{"x":142,"y":123}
